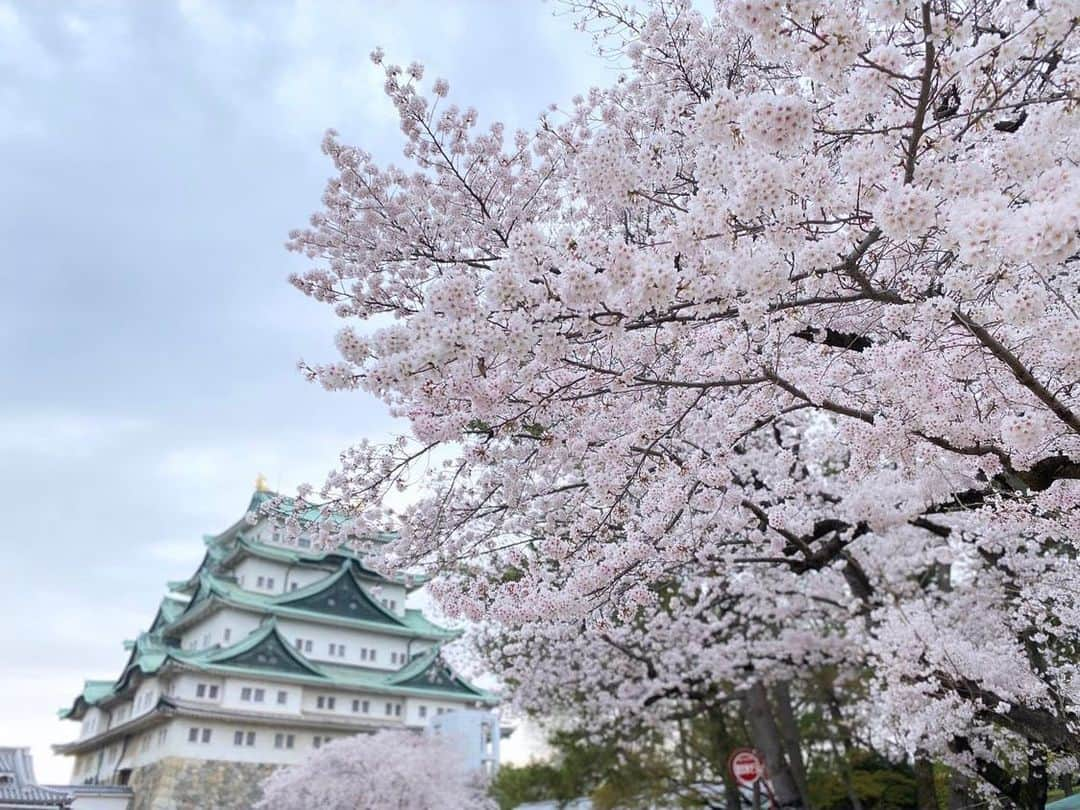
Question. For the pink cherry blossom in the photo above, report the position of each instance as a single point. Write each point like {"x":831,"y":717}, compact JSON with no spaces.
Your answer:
{"x":760,"y":359}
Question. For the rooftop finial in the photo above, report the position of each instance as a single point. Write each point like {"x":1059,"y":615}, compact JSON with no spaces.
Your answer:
{"x":260,"y":483}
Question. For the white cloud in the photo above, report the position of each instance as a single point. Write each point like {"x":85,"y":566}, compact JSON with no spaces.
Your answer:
{"x":60,"y":433}
{"x":19,"y":48}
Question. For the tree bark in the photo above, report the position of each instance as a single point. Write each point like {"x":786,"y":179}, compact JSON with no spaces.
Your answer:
{"x":789,"y":733}
{"x":765,"y":736}
{"x":958,"y":792}
{"x":723,"y":745}
{"x":1033,"y":794}
{"x":925,"y":790}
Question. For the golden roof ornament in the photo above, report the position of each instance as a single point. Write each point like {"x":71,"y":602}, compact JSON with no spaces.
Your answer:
{"x":260,"y":483}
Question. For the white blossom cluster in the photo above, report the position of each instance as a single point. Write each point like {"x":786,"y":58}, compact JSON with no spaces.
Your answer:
{"x":763,"y":360}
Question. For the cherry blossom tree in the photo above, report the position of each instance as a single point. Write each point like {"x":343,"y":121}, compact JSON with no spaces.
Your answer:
{"x":763,"y":359}
{"x":389,"y":770}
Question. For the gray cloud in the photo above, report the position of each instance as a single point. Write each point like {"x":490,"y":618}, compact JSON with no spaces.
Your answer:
{"x":153,"y":157}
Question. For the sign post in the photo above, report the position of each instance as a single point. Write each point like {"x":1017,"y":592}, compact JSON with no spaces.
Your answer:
{"x":747,"y":768}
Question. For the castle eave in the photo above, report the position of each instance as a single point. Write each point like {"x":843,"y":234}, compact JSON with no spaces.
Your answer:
{"x":304,"y":720}
{"x":155,"y":717}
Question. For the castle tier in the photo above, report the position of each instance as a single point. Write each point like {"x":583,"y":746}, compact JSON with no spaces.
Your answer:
{"x":270,"y":649}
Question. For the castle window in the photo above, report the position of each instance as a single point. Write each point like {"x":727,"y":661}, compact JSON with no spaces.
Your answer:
{"x":423,"y":712}
{"x":282,"y":697}
{"x":372,"y":655}
{"x":356,"y":705}
{"x":200,"y":690}
{"x":213,"y":691}
{"x":293,"y":586}
{"x":260,"y":695}
{"x":284,"y":740}
{"x":195,"y":734}
{"x":270,"y":583}
{"x":238,"y":738}
{"x":365,"y":706}
{"x":245,"y":694}
{"x":227,"y":635}
{"x":363,"y":654}
{"x":389,"y":709}
{"x":250,"y":739}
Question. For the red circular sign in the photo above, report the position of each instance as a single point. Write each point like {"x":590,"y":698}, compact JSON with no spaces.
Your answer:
{"x":747,"y":766}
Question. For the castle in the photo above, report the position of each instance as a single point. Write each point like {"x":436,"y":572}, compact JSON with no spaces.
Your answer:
{"x":269,"y":650}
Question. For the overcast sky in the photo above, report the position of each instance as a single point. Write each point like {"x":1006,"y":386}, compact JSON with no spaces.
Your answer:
{"x":153,"y":156}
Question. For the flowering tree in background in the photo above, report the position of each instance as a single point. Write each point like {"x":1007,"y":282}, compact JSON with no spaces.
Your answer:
{"x":390,"y":770}
{"x":762,"y":360}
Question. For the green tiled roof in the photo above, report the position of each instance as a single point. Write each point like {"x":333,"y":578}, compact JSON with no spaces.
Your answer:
{"x":337,"y":598}
{"x":228,"y":593}
{"x":265,"y":653}
{"x":224,"y":548}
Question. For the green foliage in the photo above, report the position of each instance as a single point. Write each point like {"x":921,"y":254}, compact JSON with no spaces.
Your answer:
{"x":608,"y":773}
{"x":537,"y":781}
{"x":878,"y":784}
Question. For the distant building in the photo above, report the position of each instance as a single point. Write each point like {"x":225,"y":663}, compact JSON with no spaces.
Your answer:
{"x":269,"y":650}
{"x":19,"y":789}
{"x":475,"y":735}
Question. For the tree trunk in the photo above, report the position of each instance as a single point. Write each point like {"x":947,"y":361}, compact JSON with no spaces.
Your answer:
{"x":723,"y":745}
{"x":958,"y":792}
{"x":765,"y":736}
{"x":1033,"y":794}
{"x":925,"y":790}
{"x":789,"y":732}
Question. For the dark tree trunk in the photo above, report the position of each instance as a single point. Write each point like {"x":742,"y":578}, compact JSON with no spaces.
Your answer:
{"x":789,"y":732}
{"x":1033,"y":794}
{"x":765,"y":736}
{"x":723,"y":745}
{"x":959,"y":795}
{"x":925,"y":790}
{"x":843,"y":733}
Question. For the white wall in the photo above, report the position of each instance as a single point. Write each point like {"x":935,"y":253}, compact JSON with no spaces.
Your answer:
{"x":222,"y":746}
{"x":94,"y":722}
{"x":285,"y":575}
{"x":146,"y":696}
{"x":186,"y":687}
{"x":100,"y":803}
{"x":211,"y":630}
{"x":412,"y":710}
{"x":354,"y":640}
